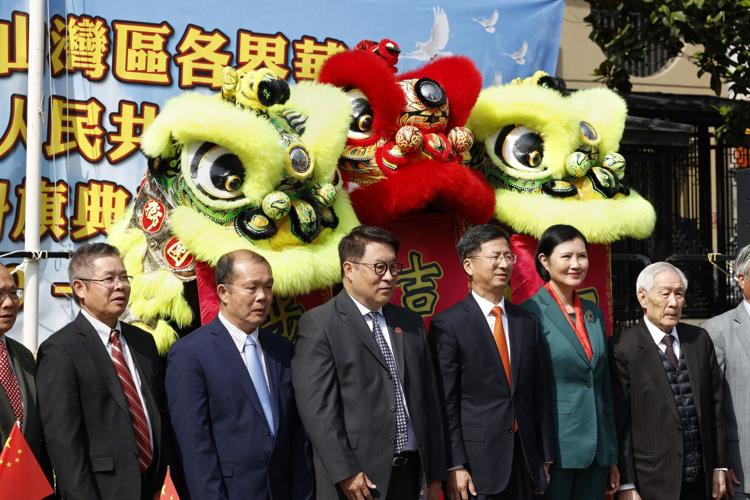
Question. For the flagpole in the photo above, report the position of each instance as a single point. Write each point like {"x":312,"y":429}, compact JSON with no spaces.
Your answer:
{"x":34,"y":109}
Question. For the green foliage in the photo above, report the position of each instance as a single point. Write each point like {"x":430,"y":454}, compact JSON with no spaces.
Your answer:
{"x":720,"y":27}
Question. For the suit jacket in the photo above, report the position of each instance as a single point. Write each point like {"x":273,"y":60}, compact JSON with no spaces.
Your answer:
{"x":86,"y":418}
{"x":480,"y":406}
{"x":648,"y":424}
{"x":583,"y":411}
{"x":222,"y":435}
{"x":730,"y":333}
{"x":346,"y":399}
{"x":24,"y":367}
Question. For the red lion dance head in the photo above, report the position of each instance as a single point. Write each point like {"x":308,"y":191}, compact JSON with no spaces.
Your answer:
{"x":407,"y":147}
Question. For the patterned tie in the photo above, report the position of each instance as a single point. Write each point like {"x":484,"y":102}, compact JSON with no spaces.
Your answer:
{"x":137,"y":414}
{"x":9,"y":382}
{"x":498,"y":333}
{"x":255,"y":368}
{"x":668,"y":340}
{"x":401,"y":434}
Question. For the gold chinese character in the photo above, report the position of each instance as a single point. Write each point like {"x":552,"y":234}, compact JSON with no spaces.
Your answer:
{"x":98,"y":204}
{"x":129,"y":128}
{"x":201,"y":58}
{"x":256,"y":51}
{"x":140,"y":54}
{"x":75,"y":125}
{"x":87,"y":46}
{"x":309,"y":56}
{"x":418,"y":283}
{"x":14,"y":35}
{"x":52,"y":202}
{"x":16,"y":129}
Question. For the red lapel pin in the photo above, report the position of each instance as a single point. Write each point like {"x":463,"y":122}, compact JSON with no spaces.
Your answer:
{"x":397,"y":329}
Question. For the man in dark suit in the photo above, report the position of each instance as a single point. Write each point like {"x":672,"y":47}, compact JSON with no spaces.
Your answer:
{"x":495,"y":379}
{"x":365,"y":384}
{"x":667,"y":390}
{"x":229,"y":390}
{"x":18,"y":398}
{"x":101,"y":397}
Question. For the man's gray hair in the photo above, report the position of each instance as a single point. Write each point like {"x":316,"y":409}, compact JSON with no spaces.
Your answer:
{"x":647,"y":277}
{"x":742,"y":262}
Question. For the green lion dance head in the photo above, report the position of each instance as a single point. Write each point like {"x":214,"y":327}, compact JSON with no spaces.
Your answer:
{"x":253,"y":167}
{"x":552,"y":159}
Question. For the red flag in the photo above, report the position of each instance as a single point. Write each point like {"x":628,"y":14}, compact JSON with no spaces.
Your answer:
{"x":168,"y":491}
{"x":21,"y":478}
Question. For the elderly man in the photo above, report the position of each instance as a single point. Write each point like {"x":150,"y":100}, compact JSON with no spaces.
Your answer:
{"x":731,"y":335}
{"x":668,"y":398}
{"x":229,"y":389}
{"x":365,"y":383}
{"x":101,"y":396}
{"x":18,"y":400}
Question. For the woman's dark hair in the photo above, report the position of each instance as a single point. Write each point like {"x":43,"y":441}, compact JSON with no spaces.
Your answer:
{"x":553,"y":236}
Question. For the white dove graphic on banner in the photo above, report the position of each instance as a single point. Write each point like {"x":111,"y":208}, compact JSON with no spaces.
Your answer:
{"x":433,"y":48}
{"x":488,"y":23}
{"x":519,"y":56}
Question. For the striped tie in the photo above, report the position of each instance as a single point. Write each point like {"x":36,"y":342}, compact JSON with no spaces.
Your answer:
{"x":10,"y":383}
{"x":137,"y":415}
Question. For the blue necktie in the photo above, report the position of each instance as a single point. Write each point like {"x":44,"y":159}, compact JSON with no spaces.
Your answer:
{"x":255,"y":368}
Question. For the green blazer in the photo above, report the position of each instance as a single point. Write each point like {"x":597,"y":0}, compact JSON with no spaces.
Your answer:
{"x":582,"y":393}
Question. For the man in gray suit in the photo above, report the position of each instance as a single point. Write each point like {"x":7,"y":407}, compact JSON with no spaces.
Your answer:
{"x":365,"y":383}
{"x":730,"y":333}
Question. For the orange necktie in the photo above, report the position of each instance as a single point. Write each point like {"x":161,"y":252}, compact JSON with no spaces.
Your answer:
{"x":498,"y":332}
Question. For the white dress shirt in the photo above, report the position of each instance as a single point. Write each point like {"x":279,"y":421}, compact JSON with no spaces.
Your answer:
{"x":104,"y":331}
{"x":239,"y":337}
{"x":486,"y":307}
{"x":411,"y":443}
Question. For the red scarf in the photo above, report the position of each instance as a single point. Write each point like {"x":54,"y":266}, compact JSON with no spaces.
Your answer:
{"x":579,"y":327}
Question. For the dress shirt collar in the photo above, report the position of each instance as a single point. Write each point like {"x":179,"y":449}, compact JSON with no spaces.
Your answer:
{"x":486,"y":306}
{"x":238,"y":336}
{"x":102,"y":329}
{"x":364,"y":311}
{"x":657,"y":334}
{"x":747,"y":306}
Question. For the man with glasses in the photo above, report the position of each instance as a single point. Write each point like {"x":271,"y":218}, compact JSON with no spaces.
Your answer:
{"x":365,"y":385}
{"x":100,"y":386}
{"x":17,"y":376}
{"x":493,"y":369}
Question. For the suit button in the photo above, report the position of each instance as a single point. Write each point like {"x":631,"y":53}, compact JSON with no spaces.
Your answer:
{"x":392,"y":440}
{"x":267,"y":433}
{"x":393,"y":408}
{"x":510,"y":430}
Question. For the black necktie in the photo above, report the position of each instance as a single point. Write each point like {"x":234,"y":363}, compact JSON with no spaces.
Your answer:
{"x":668,"y":341}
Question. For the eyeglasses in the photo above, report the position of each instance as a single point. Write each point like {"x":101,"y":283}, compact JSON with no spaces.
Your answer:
{"x":510,"y":258}
{"x":15,"y":295}
{"x":381,"y":267}
{"x":110,"y":281}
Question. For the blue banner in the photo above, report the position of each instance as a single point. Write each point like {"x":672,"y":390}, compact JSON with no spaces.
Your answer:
{"x":110,"y":66}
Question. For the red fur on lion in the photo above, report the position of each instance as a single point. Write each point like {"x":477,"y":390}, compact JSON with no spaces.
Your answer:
{"x":419,"y":184}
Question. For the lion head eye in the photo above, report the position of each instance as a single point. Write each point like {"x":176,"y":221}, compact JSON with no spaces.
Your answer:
{"x":518,"y":147}
{"x":362,"y":115}
{"x":216,"y":172}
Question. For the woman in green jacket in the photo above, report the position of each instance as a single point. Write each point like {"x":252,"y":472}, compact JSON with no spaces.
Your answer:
{"x":574,"y":331}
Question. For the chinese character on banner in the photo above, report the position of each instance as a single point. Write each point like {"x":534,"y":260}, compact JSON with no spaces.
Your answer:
{"x":16,"y":129}
{"x":256,"y":51}
{"x":75,"y":125}
{"x":129,"y":126}
{"x":81,"y":44}
{"x":201,"y":58}
{"x":140,"y":54}
{"x":309,"y":56}
{"x":52,"y":202}
{"x":97,"y":205}
{"x":13,"y":37}
{"x":418,"y":281}
{"x":284,"y":316}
